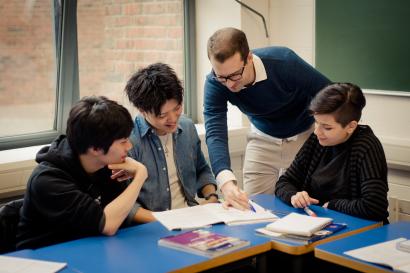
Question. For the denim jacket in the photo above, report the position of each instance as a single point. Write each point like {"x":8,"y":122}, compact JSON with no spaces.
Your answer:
{"x":192,"y":169}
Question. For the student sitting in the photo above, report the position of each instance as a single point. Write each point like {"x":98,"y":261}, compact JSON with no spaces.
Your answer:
{"x":71,"y":194}
{"x":167,"y":143}
{"x":342,"y":165}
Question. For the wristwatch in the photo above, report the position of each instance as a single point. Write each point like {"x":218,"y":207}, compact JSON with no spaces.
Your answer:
{"x":210,"y":195}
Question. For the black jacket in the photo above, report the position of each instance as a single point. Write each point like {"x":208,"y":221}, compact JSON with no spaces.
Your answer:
{"x":62,"y":202}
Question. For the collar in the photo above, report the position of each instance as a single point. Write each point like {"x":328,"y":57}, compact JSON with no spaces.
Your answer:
{"x":260,"y":71}
{"x":144,"y":127}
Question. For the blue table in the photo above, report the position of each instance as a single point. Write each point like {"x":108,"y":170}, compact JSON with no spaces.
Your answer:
{"x":354,"y":225}
{"x":135,"y":249}
{"x":333,"y":251}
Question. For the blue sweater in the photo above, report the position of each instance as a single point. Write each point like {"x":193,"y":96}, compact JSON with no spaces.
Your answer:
{"x":277,"y":106}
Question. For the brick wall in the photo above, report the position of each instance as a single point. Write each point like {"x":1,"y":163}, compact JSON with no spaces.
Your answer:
{"x":26,"y":52}
{"x":115,"y":38}
{"x":122,"y":36}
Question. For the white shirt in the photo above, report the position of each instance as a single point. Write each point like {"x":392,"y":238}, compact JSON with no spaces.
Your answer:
{"x":177,"y":195}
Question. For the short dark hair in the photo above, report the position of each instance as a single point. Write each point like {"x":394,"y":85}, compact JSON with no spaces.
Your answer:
{"x":150,"y":87}
{"x":344,"y":100}
{"x":96,"y":122}
{"x":224,"y":43}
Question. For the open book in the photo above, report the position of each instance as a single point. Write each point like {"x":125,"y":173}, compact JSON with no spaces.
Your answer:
{"x":385,"y":253}
{"x":212,"y":213}
{"x":203,"y":242}
{"x":299,"y":224}
{"x":20,"y":265}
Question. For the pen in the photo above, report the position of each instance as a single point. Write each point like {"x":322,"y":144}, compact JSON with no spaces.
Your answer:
{"x":309,"y":212}
{"x":252,"y":207}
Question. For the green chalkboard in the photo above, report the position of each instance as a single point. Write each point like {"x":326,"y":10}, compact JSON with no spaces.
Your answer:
{"x":366,"y":42}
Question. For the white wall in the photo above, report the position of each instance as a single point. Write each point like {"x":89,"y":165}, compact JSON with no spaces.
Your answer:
{"x":212,"y":15}
{"x":292,"y":25}
{"x":252,"y":24}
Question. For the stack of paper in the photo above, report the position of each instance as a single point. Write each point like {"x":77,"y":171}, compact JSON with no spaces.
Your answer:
{"x":299,"y":224}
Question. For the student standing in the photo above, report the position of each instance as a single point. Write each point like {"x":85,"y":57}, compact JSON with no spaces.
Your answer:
{"x":272,"y":86}
{"x":342,"y":165}
{"x":167,"y":143}
{"x":71,"y":193}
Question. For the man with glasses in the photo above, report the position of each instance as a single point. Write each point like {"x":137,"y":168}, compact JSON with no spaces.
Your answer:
{"x":272,"y":86}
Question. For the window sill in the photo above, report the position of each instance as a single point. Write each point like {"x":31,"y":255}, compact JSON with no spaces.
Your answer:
{"x":18,"y":158}
{"x":23,"y":158}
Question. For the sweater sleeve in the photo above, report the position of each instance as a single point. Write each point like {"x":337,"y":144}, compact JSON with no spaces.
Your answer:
{"x":204,"y":175}
{"x":215,"y":109}
{"x":370,"y":201}
{"x":293,"y":179}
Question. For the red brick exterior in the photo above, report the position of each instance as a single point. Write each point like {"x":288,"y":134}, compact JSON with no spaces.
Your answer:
{"x":115,"y":38}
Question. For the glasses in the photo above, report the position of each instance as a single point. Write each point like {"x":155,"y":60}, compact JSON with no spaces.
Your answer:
{"x":236,"y":76}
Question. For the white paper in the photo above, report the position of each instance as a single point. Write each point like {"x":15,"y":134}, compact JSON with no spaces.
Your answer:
{"x":212,"y":213}
{"x":22,"y":265}
{"x":268,"y":232}
{"x":186,"y":218}
{"x":385,"y":253}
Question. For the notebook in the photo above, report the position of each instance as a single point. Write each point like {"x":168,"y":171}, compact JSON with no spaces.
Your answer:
{"x":203,"y":242}
{"x":212,"y":213}
{"x":318,"y":235}
{"x":386,"y":253}
{"x":299,"y":224}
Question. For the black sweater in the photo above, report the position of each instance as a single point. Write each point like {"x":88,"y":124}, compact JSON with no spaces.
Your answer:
{"x":62,"y":202}
{"x":367,"y":175}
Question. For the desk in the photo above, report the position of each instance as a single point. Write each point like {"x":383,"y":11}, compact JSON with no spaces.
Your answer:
{"x":354,"y":225}
{"x":333,"y":251}
{"x":135,"y":249}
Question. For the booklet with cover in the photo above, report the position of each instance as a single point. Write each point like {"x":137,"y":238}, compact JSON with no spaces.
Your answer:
{"x":299,"y":224}
{"x":318,"y":235}
{"x":203,"y":242}
{"x":212,"y":213}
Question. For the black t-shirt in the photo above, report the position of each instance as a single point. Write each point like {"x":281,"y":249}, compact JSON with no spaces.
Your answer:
{"x":330,"y":179}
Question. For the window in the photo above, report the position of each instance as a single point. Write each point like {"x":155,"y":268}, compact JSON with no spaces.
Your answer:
{"x":102,"y":44}
{"x":123,"y":36}
{"x":28,"y":68}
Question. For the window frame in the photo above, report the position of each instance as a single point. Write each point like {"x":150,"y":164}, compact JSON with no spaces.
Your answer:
{"x":67,"y":72}
{"x":190,"y":79}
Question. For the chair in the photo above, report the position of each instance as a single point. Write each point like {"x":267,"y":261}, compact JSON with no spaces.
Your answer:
{"x":9,"y":218}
